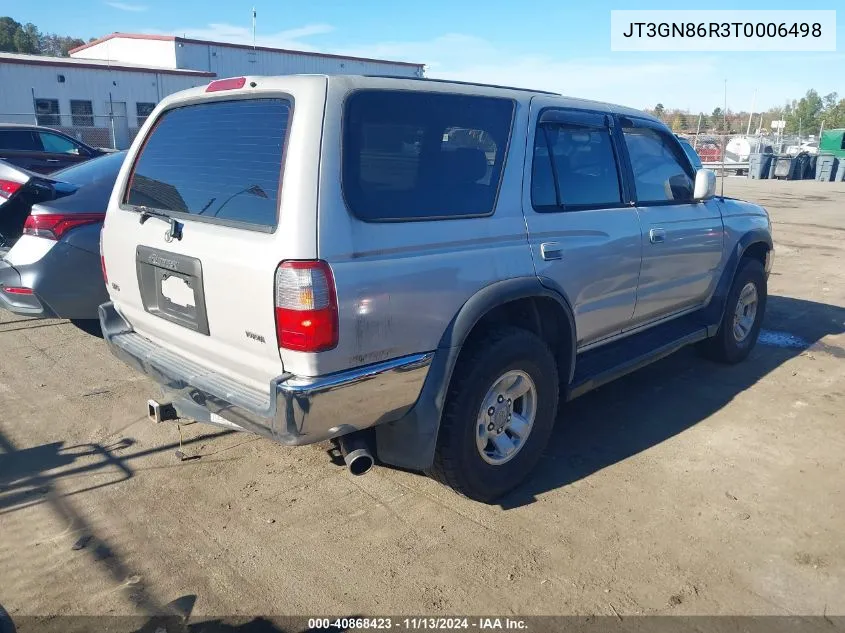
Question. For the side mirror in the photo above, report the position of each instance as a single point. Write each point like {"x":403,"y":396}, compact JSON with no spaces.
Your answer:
{"x":705,"y":185}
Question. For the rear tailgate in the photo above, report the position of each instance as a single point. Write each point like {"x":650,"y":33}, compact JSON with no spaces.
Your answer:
{"x":214,"y":163}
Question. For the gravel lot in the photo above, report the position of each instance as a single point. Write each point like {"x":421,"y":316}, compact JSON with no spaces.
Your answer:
{"x":686,"y":488}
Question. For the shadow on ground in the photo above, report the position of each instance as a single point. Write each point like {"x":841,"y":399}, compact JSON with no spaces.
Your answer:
{"x":29,"y":477}
{"x":647,"y":407}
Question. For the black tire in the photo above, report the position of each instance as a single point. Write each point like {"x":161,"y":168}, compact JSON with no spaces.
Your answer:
{"x":457,"y":462}
{"x":724,"y":347}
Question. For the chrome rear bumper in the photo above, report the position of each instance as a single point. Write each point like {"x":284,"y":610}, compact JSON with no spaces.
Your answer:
{"x":295,"y":410}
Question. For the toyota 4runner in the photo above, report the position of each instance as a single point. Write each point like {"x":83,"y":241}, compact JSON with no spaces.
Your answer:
{"x":422,"y":270}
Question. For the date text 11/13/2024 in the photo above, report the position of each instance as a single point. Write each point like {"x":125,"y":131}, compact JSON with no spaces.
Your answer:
{"x":418,"y":623}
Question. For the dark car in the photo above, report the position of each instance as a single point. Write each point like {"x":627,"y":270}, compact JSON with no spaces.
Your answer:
{"x":42,"y":149}
{"x":54,"y":268}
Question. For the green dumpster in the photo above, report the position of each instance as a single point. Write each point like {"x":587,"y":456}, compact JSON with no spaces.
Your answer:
{"x":833,"y":142}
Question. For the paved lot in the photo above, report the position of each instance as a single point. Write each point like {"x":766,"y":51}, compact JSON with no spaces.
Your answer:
{"x":687,"y":488}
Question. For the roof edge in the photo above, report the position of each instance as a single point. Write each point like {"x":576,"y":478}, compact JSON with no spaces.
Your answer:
{"x":190,"y":40}
{"x":38,"y":60}
{"x":129,"y":36}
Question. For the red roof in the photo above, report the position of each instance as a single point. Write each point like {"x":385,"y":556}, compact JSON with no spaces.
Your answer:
{"x":187,"y":40}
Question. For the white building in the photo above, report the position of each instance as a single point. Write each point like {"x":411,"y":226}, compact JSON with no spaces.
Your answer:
{"x":104,"y":90}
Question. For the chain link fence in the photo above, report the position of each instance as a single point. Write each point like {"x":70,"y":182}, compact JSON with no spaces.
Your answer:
{"x":726,"y":143}
{"x":107,"y":131}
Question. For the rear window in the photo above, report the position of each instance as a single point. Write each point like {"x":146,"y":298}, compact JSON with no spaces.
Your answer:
{"x":420,"y":155}
{"x":220,"y":160}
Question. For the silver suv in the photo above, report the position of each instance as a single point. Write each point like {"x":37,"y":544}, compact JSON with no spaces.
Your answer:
{"x":422,"y":270}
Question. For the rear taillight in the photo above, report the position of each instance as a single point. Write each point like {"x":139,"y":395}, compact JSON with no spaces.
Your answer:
{"x":103,"y":260}
{"x":8,"y":188}
{"x":17,"y":290}
{"x":53,"y":225}
{"x":306,"y":306}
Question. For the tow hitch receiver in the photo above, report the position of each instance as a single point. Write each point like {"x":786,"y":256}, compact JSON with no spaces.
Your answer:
{"x":161,"y":411}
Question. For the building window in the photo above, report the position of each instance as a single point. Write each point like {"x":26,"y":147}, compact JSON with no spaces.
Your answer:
{"x":81,"y":113}
{"x":144,"y":110}
{"x":47,"y":111}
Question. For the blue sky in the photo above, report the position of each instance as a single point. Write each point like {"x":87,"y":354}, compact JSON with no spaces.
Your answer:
{"x":561,"y":46}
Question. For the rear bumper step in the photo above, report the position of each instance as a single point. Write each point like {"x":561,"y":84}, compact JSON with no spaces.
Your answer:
{"x":295,"y":410}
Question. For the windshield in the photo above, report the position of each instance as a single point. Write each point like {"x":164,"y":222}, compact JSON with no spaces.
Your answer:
{"x":92,"y":170}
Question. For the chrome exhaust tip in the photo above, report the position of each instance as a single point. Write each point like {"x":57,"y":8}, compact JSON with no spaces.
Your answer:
{"x":356,"y":453}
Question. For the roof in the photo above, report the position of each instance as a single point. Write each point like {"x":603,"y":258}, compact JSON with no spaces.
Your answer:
{"x":187,"y":40}
{"x":43,"y":60}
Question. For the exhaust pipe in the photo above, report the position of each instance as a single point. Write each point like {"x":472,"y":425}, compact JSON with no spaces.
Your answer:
{"x":356,"y":453}
{"x":161,"y":411}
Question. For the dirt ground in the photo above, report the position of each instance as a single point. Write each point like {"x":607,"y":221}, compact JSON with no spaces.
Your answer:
{"x":686,"y":488}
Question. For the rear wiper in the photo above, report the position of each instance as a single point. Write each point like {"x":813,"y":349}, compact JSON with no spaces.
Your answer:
{"x":175,"y":230}
{"x":147,"y":213}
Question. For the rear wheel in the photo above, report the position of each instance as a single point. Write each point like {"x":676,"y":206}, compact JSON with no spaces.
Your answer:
{"x":743,"y":315}
{"x":499,"y":413}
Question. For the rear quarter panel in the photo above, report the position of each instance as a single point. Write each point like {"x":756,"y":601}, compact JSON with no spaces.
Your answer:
{"x":399,"y":284}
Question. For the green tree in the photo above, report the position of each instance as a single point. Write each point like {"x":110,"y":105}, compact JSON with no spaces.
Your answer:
{"x":804,"y":115}
{"x":8,"y":28}
{"x":27,"y":39}
{"x":659,"y":110}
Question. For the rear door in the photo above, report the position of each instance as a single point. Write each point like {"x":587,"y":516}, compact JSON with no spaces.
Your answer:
{"x":682,"y":238}
{"x":213,"y":164}
{"x":584,"y":236}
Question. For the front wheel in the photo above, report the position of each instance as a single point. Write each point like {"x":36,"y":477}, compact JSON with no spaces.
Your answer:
{"x":743,"y":315}
{"x":499,"y":414}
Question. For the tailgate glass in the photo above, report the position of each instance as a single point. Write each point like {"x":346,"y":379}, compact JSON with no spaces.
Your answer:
{"x":220,"y":161}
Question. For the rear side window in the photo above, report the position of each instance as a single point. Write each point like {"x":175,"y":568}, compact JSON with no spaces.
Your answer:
{"x":661,"y":170}
{"x":20,"y":140}
{"x":220,"y":160}
{"x":574,"y":168}
{"x":421,"y":155}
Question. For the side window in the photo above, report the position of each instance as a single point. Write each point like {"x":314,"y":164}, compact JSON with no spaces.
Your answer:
{"x":661,"y":173}
{"x":56,"y":144}
{"x":20,"y":140}
{"x":574,"y":168}
{"x":693,"y":156}
{"x":423,"y":155}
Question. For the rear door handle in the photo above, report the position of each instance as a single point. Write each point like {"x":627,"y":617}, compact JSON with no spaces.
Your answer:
{"x":550,"y":251}
{"x":657,"y":236}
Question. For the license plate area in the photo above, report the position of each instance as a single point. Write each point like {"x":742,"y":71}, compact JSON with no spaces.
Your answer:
{"x":171,"y":287}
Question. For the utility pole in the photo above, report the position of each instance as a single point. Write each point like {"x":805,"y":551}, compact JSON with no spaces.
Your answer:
{"x":751,"y":114}
{"x":253,"y":28}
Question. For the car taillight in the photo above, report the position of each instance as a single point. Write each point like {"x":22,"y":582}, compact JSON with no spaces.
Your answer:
{"x":103,"y":260}
{"x":8,"y":188}
{"x":306,"y":306}
{"x":17,"y":290}
{"x":53,"y":225}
